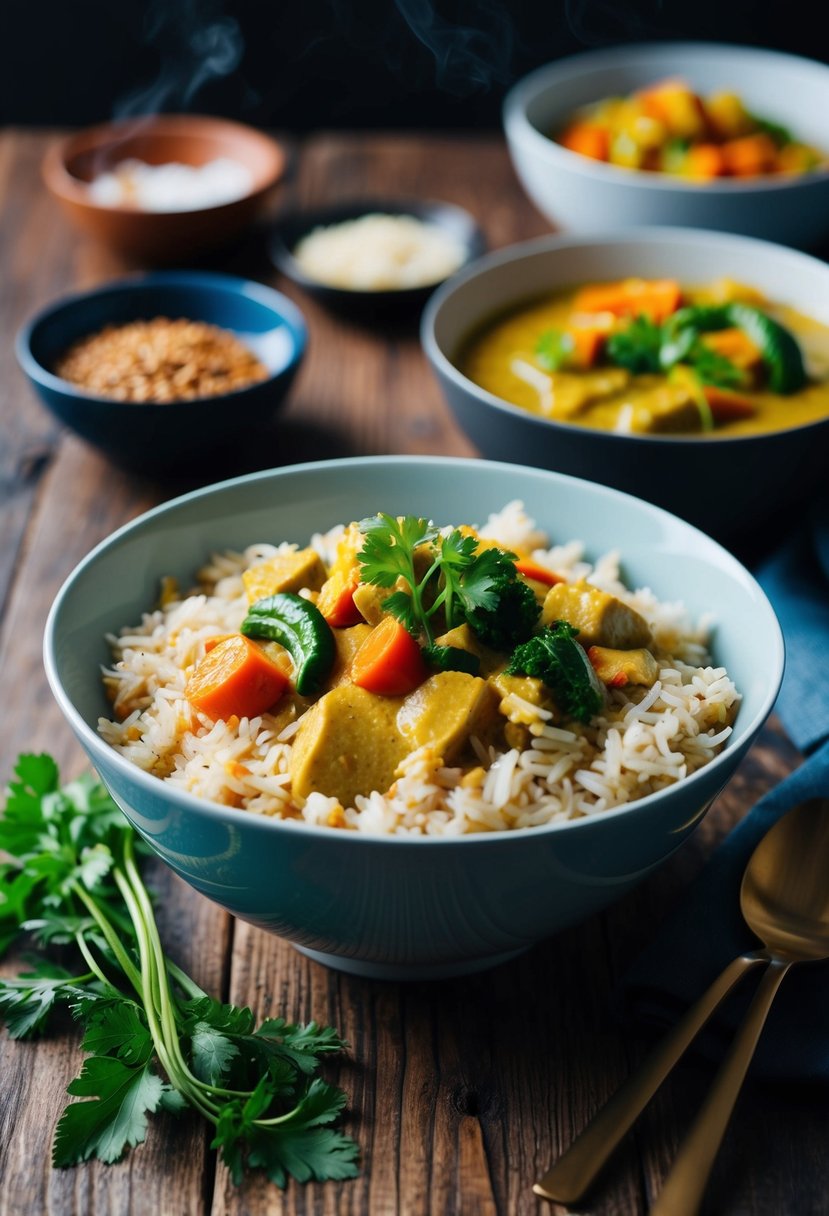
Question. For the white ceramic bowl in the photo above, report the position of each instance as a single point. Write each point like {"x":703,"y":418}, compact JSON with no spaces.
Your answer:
{"x":587,"y":195}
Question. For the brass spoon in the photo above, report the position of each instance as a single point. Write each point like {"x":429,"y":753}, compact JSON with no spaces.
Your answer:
{"x":784,"y":898}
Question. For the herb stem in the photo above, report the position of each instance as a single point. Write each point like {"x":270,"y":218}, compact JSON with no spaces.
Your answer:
{"x":111,"y":936}
{"x":94,"y":968}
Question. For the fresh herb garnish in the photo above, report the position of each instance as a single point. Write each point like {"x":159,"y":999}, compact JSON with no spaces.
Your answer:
{"x":637,"y":347}
{"x":554,"y":657}
{"x":448,"y":574}
{"x":155,"y":1039}
{"x":644,"y":346}
{"x":553,"y":349}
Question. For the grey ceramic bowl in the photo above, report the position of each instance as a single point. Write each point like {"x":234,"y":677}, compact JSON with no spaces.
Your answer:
{"x":727,"y":486}
{"x":589,"y":196}
{"x":396,"y":907}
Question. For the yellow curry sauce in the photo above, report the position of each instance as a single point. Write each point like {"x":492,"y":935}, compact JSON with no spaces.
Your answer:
{"x":502,"y":357}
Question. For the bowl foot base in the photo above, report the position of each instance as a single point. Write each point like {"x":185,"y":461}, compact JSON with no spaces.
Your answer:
{"x":408,"y":971}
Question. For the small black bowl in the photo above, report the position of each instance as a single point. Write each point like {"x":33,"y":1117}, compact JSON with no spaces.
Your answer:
{"x":386,"y":305}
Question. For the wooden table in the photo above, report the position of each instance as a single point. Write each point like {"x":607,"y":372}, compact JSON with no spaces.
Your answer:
{"x":460,"y":1093}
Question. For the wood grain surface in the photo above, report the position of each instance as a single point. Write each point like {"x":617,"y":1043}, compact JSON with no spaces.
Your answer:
{"x":462,"y":1092}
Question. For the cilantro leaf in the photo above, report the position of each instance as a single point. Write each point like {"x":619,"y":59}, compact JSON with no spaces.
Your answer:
{"x":212,"y":1052}
{"x":113,"y":1118}
{"x":305,"y":1153}
{"x":27,"y":1000}
{"x":637,"y":347}
{"x":71,"y":879}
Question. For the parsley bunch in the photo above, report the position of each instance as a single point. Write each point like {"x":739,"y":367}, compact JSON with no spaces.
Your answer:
{"x":155,"y":1040}
{"x":446,"y":572}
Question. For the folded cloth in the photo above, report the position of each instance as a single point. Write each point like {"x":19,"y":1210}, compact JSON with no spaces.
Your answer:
{"x":707,"y":930}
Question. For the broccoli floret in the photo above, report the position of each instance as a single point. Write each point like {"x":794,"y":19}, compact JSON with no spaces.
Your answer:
{"x":556,"y":658}
{"x":511,"y":619}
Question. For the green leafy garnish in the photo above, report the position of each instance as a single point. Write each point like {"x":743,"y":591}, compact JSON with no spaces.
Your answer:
{"x":154,"y":1039}
{"x":452,"y":658}
{"x":644,"y":346}
{"x":553,"y":349}
{"x":554,"y":657}
{"x":637,"y":347}
{"x":448,"y":574}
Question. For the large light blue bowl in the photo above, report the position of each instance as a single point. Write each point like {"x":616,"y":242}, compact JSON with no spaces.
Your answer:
{"x":399,"y":907}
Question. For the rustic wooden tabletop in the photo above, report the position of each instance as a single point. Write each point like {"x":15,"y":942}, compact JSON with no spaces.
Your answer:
{"x":461,"y":1093}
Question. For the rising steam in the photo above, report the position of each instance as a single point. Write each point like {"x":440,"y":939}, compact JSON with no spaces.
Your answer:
{"x":197,"y":44}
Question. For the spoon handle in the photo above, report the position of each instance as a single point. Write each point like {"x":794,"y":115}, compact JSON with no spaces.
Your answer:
{"x":682,"y":1193}
{"x":574,"y":1172}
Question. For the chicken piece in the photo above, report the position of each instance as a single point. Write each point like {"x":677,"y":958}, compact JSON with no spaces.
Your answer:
{"x":600,"y":618}
{"x":347,"y":642}
{"x":528,"y":689}
{"x":369,"y":602}
{"x":573,"y":394}
{"x":292,"y":571}
{"x":347,"y":744}
{"x":618,"y":668}
{"x":666,"y":408}
{"x":445,"y":710}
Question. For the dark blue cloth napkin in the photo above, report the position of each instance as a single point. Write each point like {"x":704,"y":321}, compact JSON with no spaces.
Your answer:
{"x":707,"y":930}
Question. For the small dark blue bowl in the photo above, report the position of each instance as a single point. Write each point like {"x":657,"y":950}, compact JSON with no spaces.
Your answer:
{"x":162,"y":439}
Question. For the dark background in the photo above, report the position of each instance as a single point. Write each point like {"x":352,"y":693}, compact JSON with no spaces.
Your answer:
{"x":334,"y":63}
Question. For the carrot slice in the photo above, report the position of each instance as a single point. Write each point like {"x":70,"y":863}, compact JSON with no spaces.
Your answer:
{"x":235,"y":677}
{"x":389,"y":661}
{"x":588,"y":342}
{"x":588,"y":138}
{"x":726,"y":406}
{"x":336,"y":600}
{"x":750,"y":156}
{"x":537,"y":572}
{"x":654,"y":298}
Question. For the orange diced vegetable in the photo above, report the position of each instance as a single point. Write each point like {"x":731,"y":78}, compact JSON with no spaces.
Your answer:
{"x":336,"y":599}
{"x":588,"y":342}
{"x":210,"y":643}
{"x":676,"y":106}
{"x":389,"y":662}
{"x":235,"y":677}
{"x":704,"y":161}
{"x":588,"y":138}
{"x":735,"y":344}
{"x":750,"y":156}
{"x":654,"y":298}
{"x":727,"y":406}
{"x":537,"y":572}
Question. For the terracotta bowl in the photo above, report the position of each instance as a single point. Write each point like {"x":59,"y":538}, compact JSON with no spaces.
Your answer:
{"x":153,"y":237}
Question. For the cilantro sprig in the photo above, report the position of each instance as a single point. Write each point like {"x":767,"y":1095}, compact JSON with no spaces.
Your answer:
{"x":155,"y":1040}
{"x":446,"y":573}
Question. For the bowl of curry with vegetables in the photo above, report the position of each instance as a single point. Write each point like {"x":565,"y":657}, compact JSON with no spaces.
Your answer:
{"x":689,"y":368}
{"x":413,"y":714}
{"x":700,"y":134}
